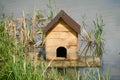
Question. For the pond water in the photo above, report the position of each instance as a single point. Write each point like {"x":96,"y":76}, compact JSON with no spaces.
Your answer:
{"x":109,"y":9}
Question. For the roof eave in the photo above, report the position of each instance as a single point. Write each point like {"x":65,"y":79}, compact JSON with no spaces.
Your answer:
{"x":75,"y":26}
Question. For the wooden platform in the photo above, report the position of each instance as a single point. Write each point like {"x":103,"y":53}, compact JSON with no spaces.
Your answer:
{"x":89,"y":62}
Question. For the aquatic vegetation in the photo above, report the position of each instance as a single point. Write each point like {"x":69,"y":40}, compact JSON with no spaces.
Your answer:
{"x":92,"y":42}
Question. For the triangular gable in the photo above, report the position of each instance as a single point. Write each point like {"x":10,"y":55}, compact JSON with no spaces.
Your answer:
{"x":75,"y":26}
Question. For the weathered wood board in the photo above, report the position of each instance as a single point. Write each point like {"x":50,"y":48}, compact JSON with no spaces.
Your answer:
{"x":76,"y":63}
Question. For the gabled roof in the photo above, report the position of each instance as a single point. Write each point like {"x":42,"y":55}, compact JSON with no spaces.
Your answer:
{"x":67,"y":19}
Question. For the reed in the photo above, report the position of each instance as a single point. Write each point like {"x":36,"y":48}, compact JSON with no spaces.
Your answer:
{"x":98,"y":35}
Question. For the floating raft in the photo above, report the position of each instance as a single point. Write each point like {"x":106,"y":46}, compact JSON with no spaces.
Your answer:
{"x":82,"y":62}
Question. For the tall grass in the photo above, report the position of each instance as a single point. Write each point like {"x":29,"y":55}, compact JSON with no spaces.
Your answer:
{"x":15,"y":65}
{"x":8,"y":48}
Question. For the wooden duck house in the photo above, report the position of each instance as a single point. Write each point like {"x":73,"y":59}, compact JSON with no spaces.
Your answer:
{"x":61,"y":43}
{"x":62,"y":38}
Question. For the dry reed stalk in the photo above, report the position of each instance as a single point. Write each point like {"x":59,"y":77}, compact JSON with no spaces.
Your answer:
{"x":88,"y":64}
{"x":84,"y":50}
{"x":40,"y":43}
{"x":21,"y":34}
{"x":43,"y":42}
{"x":37,"y":43}
{"x":87,"y":38}
{"x":78,"y":75}
{"x":5,"y":25}
{"x":56,"y":8}
{"x":86,"y":35}
{"x":87,"y":51}
{"x":41,"y":19}
{"x":14,"y":30}
{"x":48,"y":65}
{"x":35,"y":61}
{"x":32,"y":29}
{"x":10,"y":26}
{"x":25,"y":29}
{"x":98,"y":74}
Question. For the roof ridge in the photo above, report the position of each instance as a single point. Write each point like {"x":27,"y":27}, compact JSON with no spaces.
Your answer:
{"x":74,"y":25}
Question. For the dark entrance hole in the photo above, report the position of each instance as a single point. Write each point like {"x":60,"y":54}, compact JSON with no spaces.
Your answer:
{"x":61,"y":52}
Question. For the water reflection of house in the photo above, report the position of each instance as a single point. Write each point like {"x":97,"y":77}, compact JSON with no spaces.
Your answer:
{"x":62,"y":38}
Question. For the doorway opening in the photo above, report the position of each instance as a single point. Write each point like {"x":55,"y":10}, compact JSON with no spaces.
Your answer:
{"x":61,"y":52}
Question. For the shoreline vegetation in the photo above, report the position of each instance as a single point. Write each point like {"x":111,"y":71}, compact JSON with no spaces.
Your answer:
{"x":22,"y":39}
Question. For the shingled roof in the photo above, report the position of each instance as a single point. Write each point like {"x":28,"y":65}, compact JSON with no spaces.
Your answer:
{"x":67,"y":19}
